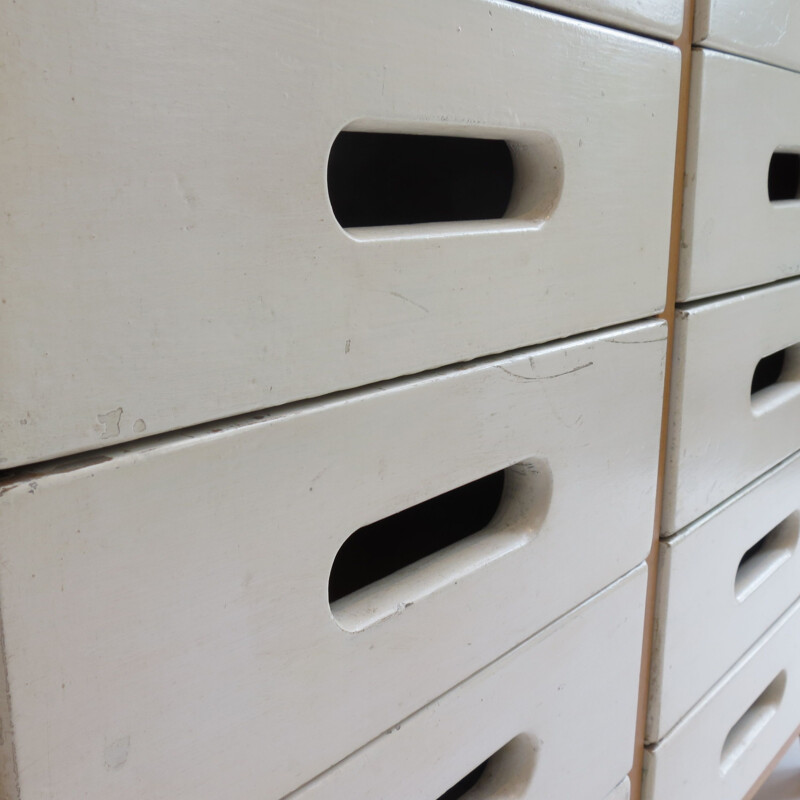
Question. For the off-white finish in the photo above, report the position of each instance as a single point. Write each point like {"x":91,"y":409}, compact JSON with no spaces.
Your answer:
{"x":622,"y":791}
{"x":705,"y":757}
{"x":554,"y":697}
{"x":720,"y":438}
{"x":767,"y":30}
{"x":165,"y":608}
{"x":662,"y":18}
{"x":170,"y":254}
{"x":733,"y":236}
{"x":709,"y":612}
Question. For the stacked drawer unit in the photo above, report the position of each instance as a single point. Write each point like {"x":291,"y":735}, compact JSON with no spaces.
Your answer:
{"x":265,"y":532}
{"x":723,"y":699}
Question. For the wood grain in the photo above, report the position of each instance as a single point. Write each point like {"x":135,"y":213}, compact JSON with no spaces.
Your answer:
{"x":684,"y":43}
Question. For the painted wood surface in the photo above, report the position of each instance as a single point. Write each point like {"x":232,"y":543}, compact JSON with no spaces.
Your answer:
{"x":622,"y":791}
{"x":721,"y":747}
{"x":661,"y":18}
{"x":544,"y":698}
{"x":713,"y":602}
{"x":170,"y":253}
{"x":721,"y":436}
{"x":733,"y":236}
{"x":165,"y":606}
{"x":766,"y":30}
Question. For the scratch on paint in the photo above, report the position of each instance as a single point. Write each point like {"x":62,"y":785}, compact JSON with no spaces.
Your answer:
{"x":545,"y":377}
{"x":407,"y":300}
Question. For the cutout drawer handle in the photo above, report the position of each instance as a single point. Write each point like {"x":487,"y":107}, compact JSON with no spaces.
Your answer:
{"x":783,"y":179}
{"x":752,"y":722}
{"x":383,"y":567}
{"x":380,"y":178}
{"x":776,"y":378}
{"x":763,"y":559}
{"x":505,"y":774}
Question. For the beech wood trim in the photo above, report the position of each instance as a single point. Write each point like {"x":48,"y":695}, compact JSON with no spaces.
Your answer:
{"x":684,"y":43}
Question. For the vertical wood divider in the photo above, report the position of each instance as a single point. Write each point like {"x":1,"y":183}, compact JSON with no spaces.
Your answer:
{"x":684,"y":43}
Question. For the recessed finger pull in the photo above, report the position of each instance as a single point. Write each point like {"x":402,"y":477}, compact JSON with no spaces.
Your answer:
{"x":380,"y":178}
{"x":387,"y":565}
{"x":783,"y":180}
{"x":746,"y":729}
{"x":507,"y":774}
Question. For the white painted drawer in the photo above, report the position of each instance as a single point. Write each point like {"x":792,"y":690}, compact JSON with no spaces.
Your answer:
{"x":662,"y":18}
{"x":767,"y":31}
{"x":720,"y":749}
{"x":722,"y":435}
{"x":175,"y":595}
{"x":734,"y":234}
{"x":722,"y":582}
{"x":536,"y":715}
{"x":170,"y":251}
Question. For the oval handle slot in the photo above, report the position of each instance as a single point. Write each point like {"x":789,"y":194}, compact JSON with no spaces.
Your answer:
{"x":387,"y":565}
{"x":776,"y":378}
{"x":380,"y":178}
{"x":507,"y":774}
{"x":764,"y":558}
{"x":783,"y":179}
{"x":458,"y":790}
{"x":752,"y":722}
{"x":403,"y":179}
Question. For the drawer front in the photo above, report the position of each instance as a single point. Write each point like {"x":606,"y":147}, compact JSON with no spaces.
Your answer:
{"x":529,"y":729}
{"x":722,"y":747}
{"x":735,"y":409}
{"x":767,"y":32}
{"x":233,"y":566}
{"x":742,"y":198}
{"x":663,"y":18}
{"x":722,"y":582}
{"x":171,"y":251}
